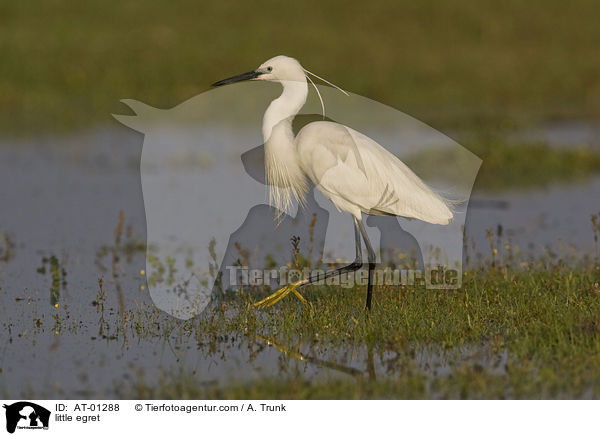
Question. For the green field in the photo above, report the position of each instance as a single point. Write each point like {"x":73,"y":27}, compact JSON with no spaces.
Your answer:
{"x":471,"y":69}
{"x":544,"y":318}
{"x":465,"y":65}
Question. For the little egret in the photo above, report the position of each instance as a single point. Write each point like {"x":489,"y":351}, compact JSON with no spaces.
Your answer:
{"x":356,"y":173}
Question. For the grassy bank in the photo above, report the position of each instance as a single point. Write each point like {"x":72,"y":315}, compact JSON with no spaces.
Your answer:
{"x":518,"y":328}
{"x":543,"y":319}
{"x":511,"y":165}
{"x":459,"y":64}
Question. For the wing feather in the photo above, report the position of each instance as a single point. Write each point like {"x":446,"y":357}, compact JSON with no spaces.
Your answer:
{"x":353,"y":170}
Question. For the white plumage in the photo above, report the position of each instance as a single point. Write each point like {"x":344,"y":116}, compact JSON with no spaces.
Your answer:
{"x":358,"y":175}
{"x":353,"y":171}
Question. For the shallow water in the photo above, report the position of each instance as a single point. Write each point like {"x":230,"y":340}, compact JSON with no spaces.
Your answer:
{"x":62,"y":199}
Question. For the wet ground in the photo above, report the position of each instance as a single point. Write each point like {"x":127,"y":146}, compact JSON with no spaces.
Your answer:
{"x":60,"y":232}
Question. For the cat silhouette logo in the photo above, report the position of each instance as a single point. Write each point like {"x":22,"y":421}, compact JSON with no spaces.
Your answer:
{"x":26,"y":415}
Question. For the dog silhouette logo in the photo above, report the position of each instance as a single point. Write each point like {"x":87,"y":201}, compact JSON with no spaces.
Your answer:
{"x":26,"y":415}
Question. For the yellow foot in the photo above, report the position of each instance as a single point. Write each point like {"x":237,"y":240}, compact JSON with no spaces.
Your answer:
{"x":279,"y":294}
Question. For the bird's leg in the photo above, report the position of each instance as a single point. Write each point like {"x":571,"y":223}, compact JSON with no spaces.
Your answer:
{"x":279,"y":294}
{"x":293,"y":287}
{"x":350,"y":267}
{"x":372,"y":259}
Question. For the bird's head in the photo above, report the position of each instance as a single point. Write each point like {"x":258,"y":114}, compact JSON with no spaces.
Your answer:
{"x":277,"y":69}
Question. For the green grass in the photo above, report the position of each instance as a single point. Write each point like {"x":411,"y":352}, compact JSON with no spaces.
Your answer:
{"x":533,"y":165}
{"x":462,"y":64}
{"x":490,"y":303}
{"x":546,"y":318}
{"x":465,"y":383}
{"x":518,"y":328}
{"x":511,"y":165}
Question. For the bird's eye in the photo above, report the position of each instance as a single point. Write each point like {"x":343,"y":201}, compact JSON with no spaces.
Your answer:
{"x":269,"y":69}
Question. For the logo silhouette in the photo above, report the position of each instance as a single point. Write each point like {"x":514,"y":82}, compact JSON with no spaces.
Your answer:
{"x":208,"y":218}
{"x":26,"y":415}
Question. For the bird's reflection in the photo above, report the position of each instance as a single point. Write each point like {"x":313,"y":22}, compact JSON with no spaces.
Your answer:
{"x":295,"y":353}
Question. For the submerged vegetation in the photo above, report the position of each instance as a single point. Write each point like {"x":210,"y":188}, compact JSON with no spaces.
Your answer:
{"x":518,"y":328}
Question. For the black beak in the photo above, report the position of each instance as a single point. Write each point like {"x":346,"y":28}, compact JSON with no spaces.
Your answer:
{"x":239,"y":78}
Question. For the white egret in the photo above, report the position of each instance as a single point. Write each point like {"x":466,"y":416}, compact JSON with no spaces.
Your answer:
{"x":353,"y":171}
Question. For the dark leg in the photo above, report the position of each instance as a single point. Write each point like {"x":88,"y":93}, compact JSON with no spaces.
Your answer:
{"x":350,"y":267}
{"x":293,"y":287}
{"x":372,"y":259}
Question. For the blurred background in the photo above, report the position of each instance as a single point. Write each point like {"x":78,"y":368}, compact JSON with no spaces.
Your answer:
{"x":517,"y":83}
{"x":455,"y":65}
{"x":477,"y":71}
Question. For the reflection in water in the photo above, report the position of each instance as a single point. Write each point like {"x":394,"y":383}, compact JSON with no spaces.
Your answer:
{"x":296,"y":354}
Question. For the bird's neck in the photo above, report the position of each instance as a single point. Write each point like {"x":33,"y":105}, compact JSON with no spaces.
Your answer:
{"x":283,"y":109}
{"x":284,"y":175}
